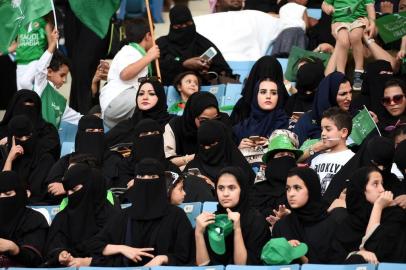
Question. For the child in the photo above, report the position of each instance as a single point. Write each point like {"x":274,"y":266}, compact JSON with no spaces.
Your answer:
{"x":132,"y":62}
{"x":348,"y":26}
{"x":174,"y":185}
{"x":50,"y":74}
{"x":336,"y":126}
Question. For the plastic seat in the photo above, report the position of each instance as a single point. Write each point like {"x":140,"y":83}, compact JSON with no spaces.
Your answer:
{"x":192,"y":210}
{"x":172,"y":96}
{"x":217,"y":90}
{"x":112,"y":268}
{"x":67,"y":132}
{"x":67,"y":148}
{"x":338,"y":267}
{"x":52,"y":210}
{"x":134,"y":9}
{"x":241,"y":67}
{"x":210,"y":207}
{"x":231,"y":97}
{"x":263,"y":267}
{"x":391,"y":266}
{"x":211,"y":267}
{"x":314,"y":13}
{"x":284,"y":63}
{"x":24,"y":268}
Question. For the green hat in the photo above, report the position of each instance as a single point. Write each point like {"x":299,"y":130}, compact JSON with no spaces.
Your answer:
{"x":218,"y":231}
{"x":278,"y":251}
{"x":281,"y":143}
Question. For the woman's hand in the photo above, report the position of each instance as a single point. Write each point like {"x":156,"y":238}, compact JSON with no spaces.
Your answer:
{"x":65,"y":258}
{"x":135,"y":254}
{"x":278,"y":214}
{"x":8,"y":246}
{"x":56,"y":189}
{"x":235,"y":217}
{"x":246,"y":143}
{"x":368,"y":256}
{"x":157,"y":261}
{"x":203,"y":220}
{"x":15,"y":151}
{"x":385,"y":199}
{"x":207,"y":180}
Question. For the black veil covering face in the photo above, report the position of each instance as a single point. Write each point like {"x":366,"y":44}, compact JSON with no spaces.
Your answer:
{"x":28,"y":103}
{"x":90,"y":137}
{"x":19,"y":224}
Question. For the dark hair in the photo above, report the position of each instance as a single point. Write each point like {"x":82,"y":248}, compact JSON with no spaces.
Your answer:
{"x":58,"y":60}
{"x":171,"y":183}
{"x":396,"y":82}
{"x":136,"y":29}
{"x":180,"y":76}
{"x":341,"y":118}
{"x":399,"y":130}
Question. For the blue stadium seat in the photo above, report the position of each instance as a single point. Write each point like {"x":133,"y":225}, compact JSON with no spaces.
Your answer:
{"x":263,"y":267}
{"x":112,"y":268}
{"x":241,"y":67}
{"x":60,"y":268}
{"x":210,"y":207}
{"x":217,"y":90}
{"x":338,"y":267}
{"x":391,"y":266}
{"x":232,"y":95}
{"x":134,"y":9}
{"x":67,"y":148}
{"x":211,"y":267}
{"x":156,"y":10}
{"x":172,"y":96}
{"x":192,"y":210}
{"x":49,"y":211}
{"x":67,"y":132}
{"x":314,"y":13}
{"x":284,"y":63}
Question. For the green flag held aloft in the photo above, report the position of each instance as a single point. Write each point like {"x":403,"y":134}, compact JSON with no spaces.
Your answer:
{"x":95,"y":14}
{"x":17,"y":13}
{"x":296,"y":54}
{"x":392,"y":27}
{"x":362,"y":125}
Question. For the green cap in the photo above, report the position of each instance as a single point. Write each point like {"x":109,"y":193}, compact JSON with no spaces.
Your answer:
{"x":281,"y":143}
{"x":278,"y":251}
{"x":218,"y":231}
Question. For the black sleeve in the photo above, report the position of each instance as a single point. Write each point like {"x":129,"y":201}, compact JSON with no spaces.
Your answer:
{"x":255,"y":238}
{"x":57,"y":241}
{"x":170,"y":65}
{"x":57,"y":170}
{"x":38,"y":176}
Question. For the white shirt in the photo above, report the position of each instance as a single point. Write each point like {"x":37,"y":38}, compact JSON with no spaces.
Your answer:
{"x":40,"y":73}
{"x":115,"y":86}
{"x":328,"y":164}
{"x":291,"y":15}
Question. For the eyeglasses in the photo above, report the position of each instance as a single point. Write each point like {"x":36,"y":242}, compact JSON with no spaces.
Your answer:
{"x":397,"y":99}
{"x":393,"y":127}
{"x":149,"y":79}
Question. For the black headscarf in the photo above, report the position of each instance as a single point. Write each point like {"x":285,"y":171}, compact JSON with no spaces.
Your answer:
{"x":309,"y":76}
{"x":122,"y":133}
{"x":224,"y":153}
{"x":261,"y":122}
{"x":181,"y":37}
{"x":11,"y":208}
{"x":148,"y":196}
{"x":87,"y":142}
{"x":400,"y":158}
{"x":265,"y":67}
{"x":276,"y":173}
{"x":184,"y":126}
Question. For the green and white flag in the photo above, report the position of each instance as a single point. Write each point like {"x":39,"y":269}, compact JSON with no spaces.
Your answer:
{"x":17,"y":13}
{"x":392,"y":27}
{"x":362,"y":125}
{"x":95,"y":14}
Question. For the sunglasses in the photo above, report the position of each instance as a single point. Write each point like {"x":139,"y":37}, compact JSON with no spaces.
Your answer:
{"x":149,"y":79}
{"x":393,"y":127}
{"x":397,"y":99}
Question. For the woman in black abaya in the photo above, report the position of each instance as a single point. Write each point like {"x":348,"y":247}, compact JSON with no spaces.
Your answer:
{"x":151,"y":232}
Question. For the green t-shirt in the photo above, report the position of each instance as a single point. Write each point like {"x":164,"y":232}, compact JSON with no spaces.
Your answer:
{"x":32,"y":39}
{"x":349,"y":10}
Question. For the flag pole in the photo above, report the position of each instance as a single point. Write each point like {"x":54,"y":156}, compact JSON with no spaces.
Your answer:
{"x":55,"y":22}
{"x":151,"y":29}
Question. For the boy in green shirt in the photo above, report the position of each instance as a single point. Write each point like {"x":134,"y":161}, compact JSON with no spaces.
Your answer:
{"x":350,"y":19}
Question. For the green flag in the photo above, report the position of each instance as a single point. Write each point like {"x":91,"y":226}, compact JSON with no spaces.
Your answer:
{"x":392,"y":27}
{"x":362,"y":125}
{"x":296,"y":54}
{"x":95,"y":14}
{"x":53,"y":105}
{"x":17,"y":13}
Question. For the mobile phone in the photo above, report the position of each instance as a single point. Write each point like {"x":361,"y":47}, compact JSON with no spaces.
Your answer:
{"x":194,"y":171}
{"x":255,"y":138}
{"x":297,"y":114}
{"x":209,"y":54}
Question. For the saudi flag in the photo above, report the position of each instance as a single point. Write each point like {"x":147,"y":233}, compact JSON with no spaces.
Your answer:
{"x":17,"y":13}
{"x":95,"y":14}
{"x":362,"y":125}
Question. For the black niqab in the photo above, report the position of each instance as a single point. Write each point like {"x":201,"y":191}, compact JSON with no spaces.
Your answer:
{"x":89,"y":142}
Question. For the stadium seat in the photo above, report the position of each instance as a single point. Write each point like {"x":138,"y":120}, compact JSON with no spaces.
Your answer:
{"x":59,"y":268}
{"x":211,"y":267}
{"x":67,"y":132}
{"x":112,"y":268}
{"x":134,"y":9}
{"x":192,"y":210}
{"x":232,"y":95}
{"x":210,"y":207}
{"x":241,"y":67}
{"x":156,"y":10}
{"x":284,"y":63}
{"x":338,"y":267}
{"x":217,"y":90}
{"x":263,"y":267}
{"x":172,"y":96}
{"x":391,"y":266}
{"x":49,"y":211}
{"x":67,"y":148}
{"x":314,"y":13}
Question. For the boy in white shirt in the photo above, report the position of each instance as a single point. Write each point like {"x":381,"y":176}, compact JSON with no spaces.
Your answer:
{"x":50,"y":74}
{"x":336,"y":126}
{"x":132,"y":62}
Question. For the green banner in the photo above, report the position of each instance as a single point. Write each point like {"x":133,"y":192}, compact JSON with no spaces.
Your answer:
{"x":362,"y":125}
{"x":392,"y":27}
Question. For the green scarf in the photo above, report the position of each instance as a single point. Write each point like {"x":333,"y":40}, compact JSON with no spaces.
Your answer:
{"x":142,"y":51}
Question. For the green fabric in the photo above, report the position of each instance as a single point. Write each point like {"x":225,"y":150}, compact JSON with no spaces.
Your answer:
{"x":95,"y":14}
{"x":362,"y":125}
{"x":53,"y":105}
{"x":17,"y":13}
{"x":281,"y":143}
{"x":308,"y":143}
{"x":278,"y":251}
{"x":218,"y":231}
{"x":65,"y":201}
{"x":175,"y":108}
{"x":142,"y":51}
{"x":110,"y":197}
{"x":392,"y":27}
{"x":31,"y":44}
{"x":349,"y":10}
{"x":298,"y":53}
{"x":63,"y":204}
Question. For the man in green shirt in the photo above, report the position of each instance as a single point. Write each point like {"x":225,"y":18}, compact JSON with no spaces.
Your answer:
{"x":350,"y":19}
